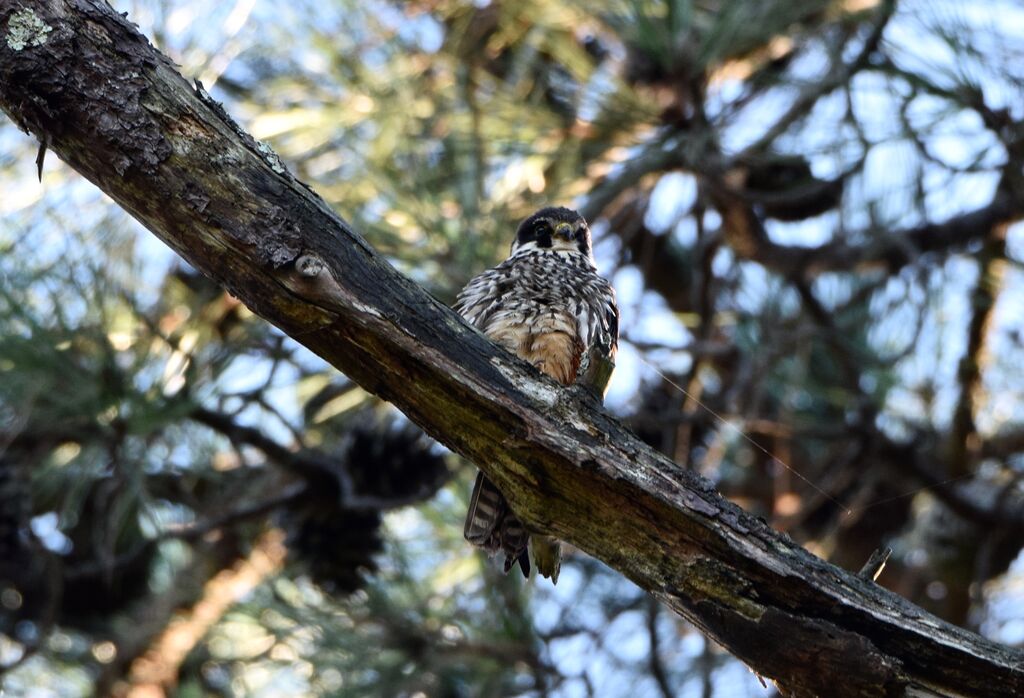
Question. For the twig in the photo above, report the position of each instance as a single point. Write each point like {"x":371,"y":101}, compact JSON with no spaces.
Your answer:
{"x":654,"y":656}
{"x":875,"y":564}
{"x":44,"y":143}
{"x":192,"y":531}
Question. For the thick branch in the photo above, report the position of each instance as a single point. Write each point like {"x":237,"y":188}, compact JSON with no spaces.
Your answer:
{"x":118,"y":112}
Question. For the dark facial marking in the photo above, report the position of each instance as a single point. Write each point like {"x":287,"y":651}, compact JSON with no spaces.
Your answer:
{"x":538,"y":227}
{"x":540,"y":232}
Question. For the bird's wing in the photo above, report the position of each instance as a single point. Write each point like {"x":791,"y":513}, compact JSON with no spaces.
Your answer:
{"x":482,"y":296}
{"x":490,"y":524}
{"x":601,"y":330}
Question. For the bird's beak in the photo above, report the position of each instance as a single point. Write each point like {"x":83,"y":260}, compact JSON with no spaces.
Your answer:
{"x":564,"y":230}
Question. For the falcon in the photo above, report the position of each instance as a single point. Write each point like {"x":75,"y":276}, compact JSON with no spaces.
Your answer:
{"x":548,"y":305}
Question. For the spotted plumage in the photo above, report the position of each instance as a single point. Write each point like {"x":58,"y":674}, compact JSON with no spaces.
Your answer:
{"x":547,"y":304}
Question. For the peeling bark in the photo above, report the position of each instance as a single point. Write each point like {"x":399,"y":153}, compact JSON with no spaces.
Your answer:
{"x":117,"y":111}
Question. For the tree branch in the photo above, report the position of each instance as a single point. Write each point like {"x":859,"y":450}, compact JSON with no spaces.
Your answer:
{"x":119,"y":113}
{"x":668,"y":266}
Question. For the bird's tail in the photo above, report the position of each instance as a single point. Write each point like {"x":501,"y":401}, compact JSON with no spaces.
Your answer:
{"x":491,"y":525}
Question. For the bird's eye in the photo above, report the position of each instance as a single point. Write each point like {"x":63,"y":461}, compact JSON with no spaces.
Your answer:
{"x":539,"y":227}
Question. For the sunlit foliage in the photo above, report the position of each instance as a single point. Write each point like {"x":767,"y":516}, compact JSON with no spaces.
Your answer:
{"x":765,"y":181}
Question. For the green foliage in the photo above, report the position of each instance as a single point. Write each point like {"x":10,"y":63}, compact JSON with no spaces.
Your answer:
{"x":760,"y":177}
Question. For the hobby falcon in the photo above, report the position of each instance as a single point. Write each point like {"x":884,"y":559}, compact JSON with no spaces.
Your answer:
{"x":546,"y":304}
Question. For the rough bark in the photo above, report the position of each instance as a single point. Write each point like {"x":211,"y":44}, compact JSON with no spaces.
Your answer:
{"x":81,"y":78}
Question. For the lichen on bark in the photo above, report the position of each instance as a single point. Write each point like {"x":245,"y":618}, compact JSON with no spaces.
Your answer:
{"x":25,"y":29}
{"x":117,"y":111}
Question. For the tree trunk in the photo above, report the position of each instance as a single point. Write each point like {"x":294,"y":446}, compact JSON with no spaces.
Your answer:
{"x":81,"y":79}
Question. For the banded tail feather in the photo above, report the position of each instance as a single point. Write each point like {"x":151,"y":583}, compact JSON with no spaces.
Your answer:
{"x":491,"y":525}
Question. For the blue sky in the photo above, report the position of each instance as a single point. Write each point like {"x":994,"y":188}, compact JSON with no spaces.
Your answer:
{"x":206,"y":39}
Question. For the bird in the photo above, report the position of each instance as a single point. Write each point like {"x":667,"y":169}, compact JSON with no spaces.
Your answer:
{"x":547,"y":304}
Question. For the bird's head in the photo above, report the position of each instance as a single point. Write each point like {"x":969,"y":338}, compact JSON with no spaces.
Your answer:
{"x":554,"y":229}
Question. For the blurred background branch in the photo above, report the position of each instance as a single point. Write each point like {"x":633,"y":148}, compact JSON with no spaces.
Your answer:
{"x":809,"y":210}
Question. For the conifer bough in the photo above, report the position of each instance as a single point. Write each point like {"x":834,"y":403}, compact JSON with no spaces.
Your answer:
{"x":81,"y":79}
